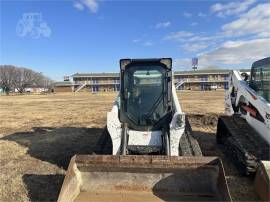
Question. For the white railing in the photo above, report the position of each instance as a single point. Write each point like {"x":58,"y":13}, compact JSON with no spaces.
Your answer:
{"x":80,"y":87}
{"x":177,"y":85}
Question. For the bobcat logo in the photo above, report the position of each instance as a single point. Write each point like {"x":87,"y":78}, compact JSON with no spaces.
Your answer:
{"x":267,"y":116}
{"x":32,"y":24}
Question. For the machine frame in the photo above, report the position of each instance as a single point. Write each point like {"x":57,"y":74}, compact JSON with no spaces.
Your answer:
{"x":168,"y":139}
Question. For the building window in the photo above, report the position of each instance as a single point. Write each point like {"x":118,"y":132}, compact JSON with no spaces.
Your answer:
{"x":202,"y":87}
{"x":204,"y":78}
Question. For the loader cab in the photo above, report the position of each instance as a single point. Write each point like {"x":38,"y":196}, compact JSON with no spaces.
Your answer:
{"x":145,"y":94}
{"x":260,"y":78}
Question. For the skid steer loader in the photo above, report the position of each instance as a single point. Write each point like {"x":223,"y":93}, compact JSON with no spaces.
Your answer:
{"x":146,"y":117}
{"x":147,"y":151}
{"x":244,"y":132}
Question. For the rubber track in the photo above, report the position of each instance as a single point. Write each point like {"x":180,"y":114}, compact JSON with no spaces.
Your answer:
{"x":188,"y":145}
{"x":242,"y":143}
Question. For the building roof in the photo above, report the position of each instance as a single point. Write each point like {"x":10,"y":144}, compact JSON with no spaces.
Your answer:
{"x":199,"y":72}
{"x":208,"y":71}
{"x":95,"y":75}
{"x":104,"y":74}
{"x":203,"y":71}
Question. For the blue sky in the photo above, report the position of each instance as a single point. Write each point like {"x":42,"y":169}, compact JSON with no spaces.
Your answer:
{"x":65,"y":37}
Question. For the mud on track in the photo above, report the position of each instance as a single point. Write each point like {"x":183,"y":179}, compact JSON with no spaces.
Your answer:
{"x":39,"y":134}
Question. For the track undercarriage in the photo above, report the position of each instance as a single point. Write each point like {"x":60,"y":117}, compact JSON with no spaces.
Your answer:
{"x":242,"y":143}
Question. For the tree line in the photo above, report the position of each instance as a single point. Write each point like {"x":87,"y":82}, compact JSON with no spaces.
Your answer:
{"x":19,"y":78}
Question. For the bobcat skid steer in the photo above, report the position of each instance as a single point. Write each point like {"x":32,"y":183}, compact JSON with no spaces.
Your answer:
{"x":147,"y":151}
{"x":244,"y":132}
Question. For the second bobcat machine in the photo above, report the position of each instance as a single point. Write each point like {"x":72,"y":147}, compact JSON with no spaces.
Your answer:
{"x":244,"y":132}
{"x":147,"y":151}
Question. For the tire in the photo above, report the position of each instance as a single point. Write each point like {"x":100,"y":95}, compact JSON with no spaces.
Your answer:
{"x":104,"y":144}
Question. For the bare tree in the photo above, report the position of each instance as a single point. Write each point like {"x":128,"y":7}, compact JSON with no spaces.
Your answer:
{"x":46,"y":82}
{"x":25,"y":78}
{"x":12,"y":77}
{"x":7,"y":76}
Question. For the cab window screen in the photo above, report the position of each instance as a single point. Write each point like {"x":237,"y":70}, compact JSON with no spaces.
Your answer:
{"x":261,"y":81}
{"x":145,"y":87}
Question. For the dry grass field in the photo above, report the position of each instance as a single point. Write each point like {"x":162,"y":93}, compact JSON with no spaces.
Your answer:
{"x":40,"y":133}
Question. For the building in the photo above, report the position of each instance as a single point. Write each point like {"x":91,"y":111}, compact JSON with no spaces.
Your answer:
{"x":97,"y":81}
{"x":202,"y":79}
{"x":184,"y":80}
{"x":63,"y":86}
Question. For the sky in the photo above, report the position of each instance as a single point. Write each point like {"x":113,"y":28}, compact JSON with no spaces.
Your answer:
{"x":64,"y":37}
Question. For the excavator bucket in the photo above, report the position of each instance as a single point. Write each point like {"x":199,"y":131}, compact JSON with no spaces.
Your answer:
{"x":262,"y":180}
{"x":144,"y":178}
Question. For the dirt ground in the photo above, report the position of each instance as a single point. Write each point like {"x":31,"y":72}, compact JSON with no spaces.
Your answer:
{"x":40,"y":133}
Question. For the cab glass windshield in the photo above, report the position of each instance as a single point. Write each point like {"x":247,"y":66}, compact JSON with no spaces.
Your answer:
{"x":145,"y":94}
{"x":260,"y":81}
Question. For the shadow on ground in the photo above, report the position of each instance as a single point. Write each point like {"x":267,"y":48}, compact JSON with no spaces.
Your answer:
{"x":207,"y":142}
{"x":57,"y":145}
{"x":209,"y":147}
{"x":241,"y":187}
{"x":43,"y":187}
